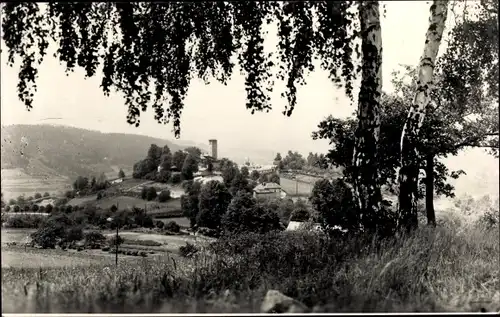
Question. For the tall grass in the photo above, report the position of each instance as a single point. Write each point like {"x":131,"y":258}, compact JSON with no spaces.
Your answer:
{"x":441,"y":269}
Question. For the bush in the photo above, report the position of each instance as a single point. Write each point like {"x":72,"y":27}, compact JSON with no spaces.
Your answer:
{"x":144,"y":192}
{"x":172,"y":226}
{"x":27,"y":208}
{"x":73,"y":234}
{"x":17,"y":208}
{"x":164,"y":196}
{"x":61,"y":202}
{"x":94,"y":239}
{"x":300,"y":212}
{"x":208,"y":232}
{"x":159,"y":224}
{"x":99,"y":196}
{"x":35,"y":208}
{"x":176,"y":178}
{"x":113,"y":240}
{"x":24,"y":221}
{"x":7,"y":208}
{"x":68,"y":209}
{"x":38,"y":196}
{"x":334,"y":203}
{"x":188,"y":250}
{"x":41,"y":209}
{"x":151,"y":193}
{"x":70,"y":194}
{"x":49,"y":208}
{"x":490,"y":219}
{"x":46,"y":194}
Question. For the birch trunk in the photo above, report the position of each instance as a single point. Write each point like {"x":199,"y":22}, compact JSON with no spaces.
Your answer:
{"x":408,"y":174}
{"x":365,"y":171}
{"x":429,"y":190}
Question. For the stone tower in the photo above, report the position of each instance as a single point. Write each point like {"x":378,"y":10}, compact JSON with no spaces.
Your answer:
{"x":213,"y":145}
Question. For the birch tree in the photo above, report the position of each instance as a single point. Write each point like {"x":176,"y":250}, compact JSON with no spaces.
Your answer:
{"x":409,"y":170}
{"x":365,"y":163}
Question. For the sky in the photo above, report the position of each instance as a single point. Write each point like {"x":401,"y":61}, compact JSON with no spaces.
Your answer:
{"x":214,"y":110}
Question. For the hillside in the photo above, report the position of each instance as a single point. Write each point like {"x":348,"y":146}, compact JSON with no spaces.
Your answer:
{"x":57,"y":154}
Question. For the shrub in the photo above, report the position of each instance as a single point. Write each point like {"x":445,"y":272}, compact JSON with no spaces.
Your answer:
{"x":70,"y":194}
{"x":94,"y":238}
{"x":41,"y":208}
{"x":334,"y":203}
{"x":29,"y":198}
{"x":151,"y":193}
{"x":27,"y":208}
{"x":176,"y":178}
{"x":300,"y":212}
{"x":188,"y":250}
{"x":61,"y":202}
{"x":172,"y":226}
{"x":164,"y":196}
{"x":68,"y":209}
{"x":24,"y":221}
{"x":208,"y":232}
{"x":113,"y":240}
{"x":99,"y":196}
{"x":73,"y":234}
{"x":149,"y":243}
{"x":17,"y":208}
{"x":7,"y":208}
{"x":490,"y":219}
{"x":46,"y":194}
{"x":144,"y":192}
{"x":38,"y":195}
{"x":35,"y":208}
{"x":159,"y":224}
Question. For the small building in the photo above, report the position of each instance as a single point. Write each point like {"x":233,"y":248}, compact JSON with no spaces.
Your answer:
{"x":117,"y":181}
{"x":205,"y":179}
{"x":267,"y":190}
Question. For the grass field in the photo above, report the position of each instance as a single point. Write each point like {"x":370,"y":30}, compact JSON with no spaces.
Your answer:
{"x":123,"y":202}
{"x":452,"y":269}
{"x":294,"y":188}
{"x":15,"y":183}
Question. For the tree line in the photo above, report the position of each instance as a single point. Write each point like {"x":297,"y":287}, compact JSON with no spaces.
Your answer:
{"x":163,"y":166}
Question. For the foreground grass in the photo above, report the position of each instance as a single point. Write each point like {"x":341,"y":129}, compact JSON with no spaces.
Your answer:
{"x":442,"y":269}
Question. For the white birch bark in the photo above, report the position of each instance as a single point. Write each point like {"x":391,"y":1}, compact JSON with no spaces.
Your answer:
{"x":367,"y":191}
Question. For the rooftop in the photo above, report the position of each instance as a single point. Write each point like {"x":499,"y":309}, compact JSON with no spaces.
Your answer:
{"x":267,"y":186}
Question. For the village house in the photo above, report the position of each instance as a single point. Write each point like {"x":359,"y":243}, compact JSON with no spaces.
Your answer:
{"x":302,"y":225}
{"x":267,"y":190}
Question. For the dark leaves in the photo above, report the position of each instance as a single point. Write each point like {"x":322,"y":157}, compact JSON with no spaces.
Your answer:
{"x":149,"y":51}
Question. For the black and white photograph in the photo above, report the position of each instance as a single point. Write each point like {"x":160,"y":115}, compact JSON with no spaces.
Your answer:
{"x":250,"y":157}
